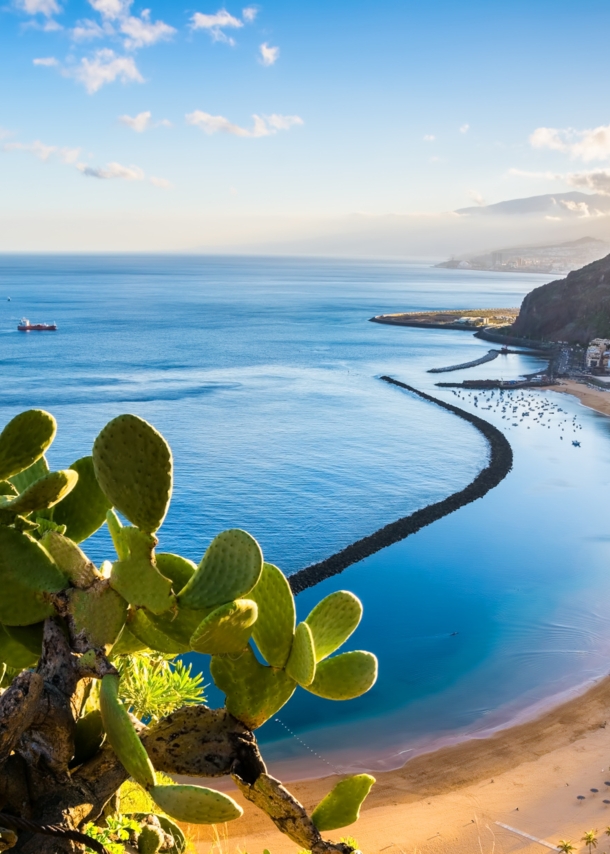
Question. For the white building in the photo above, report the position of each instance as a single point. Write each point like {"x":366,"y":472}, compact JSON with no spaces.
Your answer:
{"x":598,"y":354}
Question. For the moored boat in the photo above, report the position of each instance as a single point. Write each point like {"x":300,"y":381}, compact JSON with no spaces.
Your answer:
{"x":26,"y":326}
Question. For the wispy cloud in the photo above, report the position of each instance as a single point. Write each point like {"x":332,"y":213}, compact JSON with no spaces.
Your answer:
{"x":39,"y":7}
{"x":111,"y":9}
{"x":596,"y":180}
{"x":162,"y":183}
{"x":262,"y":126}
{"x":269,"y":55}
{"x":429,"y":137}
{"x":44,"y":152}
{"x":143,"y":121}
{"x":465,"y":128}
{"x":111,"y":171}
{"x":586,"y":145}
{"x":105,"y":67}
{"x":86,"y":30}
{"x":216,"y":24}
{"x":47,"y":61}
{"x":477,"y":198}
{"x":142,"y":32}
{"x":249,"y":13}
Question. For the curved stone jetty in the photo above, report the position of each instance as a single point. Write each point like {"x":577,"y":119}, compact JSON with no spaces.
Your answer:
{"x":499,"y":465}
{"x":488,"y":357}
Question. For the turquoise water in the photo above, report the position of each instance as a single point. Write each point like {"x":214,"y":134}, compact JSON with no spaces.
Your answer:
{"x":263,"y":375}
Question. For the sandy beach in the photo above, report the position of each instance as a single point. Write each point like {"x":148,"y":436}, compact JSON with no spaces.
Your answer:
{"x":516,"y":791}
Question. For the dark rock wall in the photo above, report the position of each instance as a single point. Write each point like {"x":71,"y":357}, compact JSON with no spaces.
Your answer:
{"x":574,"y":309}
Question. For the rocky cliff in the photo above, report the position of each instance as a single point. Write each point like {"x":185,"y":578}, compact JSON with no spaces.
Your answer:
{"x":574,"y":309}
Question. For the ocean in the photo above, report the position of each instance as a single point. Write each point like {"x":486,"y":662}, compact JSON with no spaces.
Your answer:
{"x":263,"y":374}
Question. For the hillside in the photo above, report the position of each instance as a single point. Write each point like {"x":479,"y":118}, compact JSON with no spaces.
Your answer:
{"x":574,"y":309}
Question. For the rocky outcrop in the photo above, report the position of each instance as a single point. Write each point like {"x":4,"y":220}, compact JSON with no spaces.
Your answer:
{"x":575,"y":309}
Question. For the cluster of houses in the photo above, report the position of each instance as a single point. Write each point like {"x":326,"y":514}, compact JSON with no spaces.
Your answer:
{"x":598,"y":355}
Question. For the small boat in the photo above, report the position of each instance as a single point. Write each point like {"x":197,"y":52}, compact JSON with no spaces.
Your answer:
{"x":26,"y":326}
{"x":576,"y":443}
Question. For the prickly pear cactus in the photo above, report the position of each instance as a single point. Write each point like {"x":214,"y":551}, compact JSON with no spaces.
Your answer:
{"x":231,"y":607}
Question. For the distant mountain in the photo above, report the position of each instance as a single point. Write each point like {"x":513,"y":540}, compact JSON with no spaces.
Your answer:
{"x":574,"y":309}
{"x":552,"y":204}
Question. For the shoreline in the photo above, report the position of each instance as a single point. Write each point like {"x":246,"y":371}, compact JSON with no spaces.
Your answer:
{"x":486,"y":790}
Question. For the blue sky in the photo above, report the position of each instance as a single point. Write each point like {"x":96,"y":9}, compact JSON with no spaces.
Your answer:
{"x":187,"y":115}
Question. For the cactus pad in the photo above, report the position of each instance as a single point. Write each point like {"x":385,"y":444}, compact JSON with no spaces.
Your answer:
{"x":89,"y":736}
{"x":15,"y":654}
{"x":133,"y":466}
{"x":195,"y":804}
{"x":141,"y":626}
{"x":227,"y":629}
{"x":254,"y":692}
{"x":341,"y":806}
{"x":27,"y":575}
{"x":99,"y":613}
{"x":178,"y":569}
{"x":301,"y":665}
{"x":43,"y":493}
{"x":127,"y":644}
{"x":122,"y":736}
{"x":137,"y":578}
{"x":84,"y":510}
{"x":333,"y":620}
{"x":73,"y":562}
{"x":30,"y":475}
{"x":229,"y":570}
{"x":345,"y":676}
{"x":24,"y":440}
{"x":150,"y":840}
{"x":179,"y":624}
{"x":274,"y":629}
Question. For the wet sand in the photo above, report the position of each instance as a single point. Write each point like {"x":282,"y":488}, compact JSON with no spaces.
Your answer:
{"x":597,"y":399}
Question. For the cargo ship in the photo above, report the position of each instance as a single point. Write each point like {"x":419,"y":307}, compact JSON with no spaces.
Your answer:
{"x":26,"y":326}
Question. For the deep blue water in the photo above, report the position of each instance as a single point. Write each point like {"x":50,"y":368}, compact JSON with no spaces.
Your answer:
{"x":263,"y":376}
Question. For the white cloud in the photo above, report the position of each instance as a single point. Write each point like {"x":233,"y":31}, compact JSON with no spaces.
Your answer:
{"x":142,"y":32}
{"x":163,"y":183}
{"x":139,"y":123}
{"x":44,"y":152}
{"x":111,"y":9}
{"x":429,"y":137}
{"x":263,"y":125}
{"x":113,"y":170}
{"x":39,"y":7}
{"x":215,"y":24}
{"x":269,"y":55}
{"x":597,"y":180}
{"x":477,"y":198}
{"x":87,"y":30}
{"x":47,"y":61}
{"x":581,"y":208}
{"x":249,"y":13}
{"x":586,"y":145}
{"x":465,"y":128}
{"x":105,"y":67}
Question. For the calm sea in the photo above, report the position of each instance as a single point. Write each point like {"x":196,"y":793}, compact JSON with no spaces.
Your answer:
{"x":263,"y":376}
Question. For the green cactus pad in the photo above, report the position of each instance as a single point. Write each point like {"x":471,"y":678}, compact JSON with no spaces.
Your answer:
{"x":84,"y":510}
{"x":333,"y":620}
{"x":30,"y":475}
{"x":137,"y":578}
{"x":89,"y":736}
{"x":178,"y":569}
{"x":44,"y":493}
{"x":227,"y":629}
{"x":7,"y":488}
{"x":24,"y":440}
{"x":254,"y":692}
{"x":27,"y":576}
{"x":15,"y":654}
{"x":341,"y":806}
{"x":179,"y":624}
{"x":122,"y":736}
{"x":28,"y":636}
{"x":142,"y":628}
{"x":274,"y":629}
{"x":99,"y":613}
{"x":345,"y":676}
{"x":195,"y":804}
{"x":169,"y":827}
{"x":150,"y":840}
{"x":133,"y":466}
{"x":73,"y":562}
{"x":127,"y":644}
{"x":301,"y":665}
{"x":229,"y":570}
